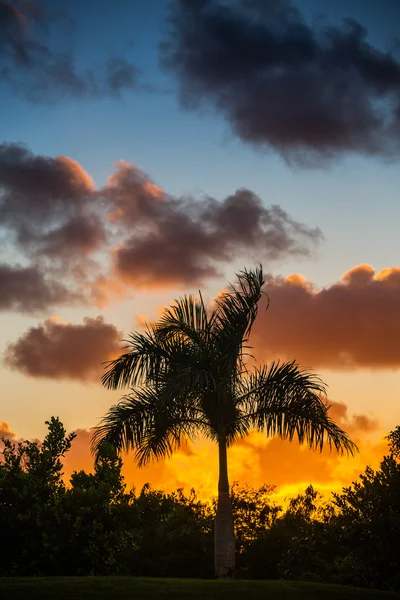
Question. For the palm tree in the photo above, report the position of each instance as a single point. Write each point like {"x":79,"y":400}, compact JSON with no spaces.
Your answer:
{"x":189,"y":376}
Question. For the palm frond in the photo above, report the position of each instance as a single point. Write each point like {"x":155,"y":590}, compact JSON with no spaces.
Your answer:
{"x":186,"y":317}
{"x":234,"y":315}
{"x":236,"y":424}
{"x":188,"y":375}
{"x":142,"y":362}
{"x":124,"y":424}
{"x":182,"y":325}
{"x":287,"y":401}
{"x":149,"y":424}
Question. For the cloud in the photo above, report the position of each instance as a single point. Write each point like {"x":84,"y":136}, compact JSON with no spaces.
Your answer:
{"x":79,"y":235}
{"x":291,"y":467}
{"x":44,"y":202}
{"x":5,"y":434}
{"x":351,"y":324}
{"x":26,"y":289}
{"x":5,"y":431}
{"x":311,"y":92}
{"x":34,"y":69}
{"x":58,"y":350}
{"x":161,"y":474}
{"x":121,"y":74}
{"x":356,"y":424}
{"x":183,"y":240}
{"x":50,"y":220}
{"x":255,"y":460}
{"x":129,"y":234}
{"x":79,"y":456}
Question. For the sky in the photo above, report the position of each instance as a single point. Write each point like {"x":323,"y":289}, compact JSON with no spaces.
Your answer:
{"x":152,"y":149}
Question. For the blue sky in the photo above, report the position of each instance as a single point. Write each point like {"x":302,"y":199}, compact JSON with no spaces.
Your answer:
{"x":183,"y":151}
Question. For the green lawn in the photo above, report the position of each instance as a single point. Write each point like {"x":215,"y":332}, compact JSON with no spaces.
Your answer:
{"x":132,"y":588}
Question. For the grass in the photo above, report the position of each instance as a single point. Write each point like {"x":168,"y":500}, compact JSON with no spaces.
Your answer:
{"x":140,"y":588}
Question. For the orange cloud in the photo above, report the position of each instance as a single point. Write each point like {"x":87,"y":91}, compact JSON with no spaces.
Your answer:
{"x":7,"y":434}
{"x":160,"y":474}
{"x":5,"y":430}
{"x":78,"y":177}
{"x":132,"y":192}
{"x":357,"y":424}
{"x":141,"y":320}
{"x":128,"y":234}
{"x":255,"y":460}
{"x":351,"y":324}
{"x":291,"y":467}
{"x":59,"y":350}
{"x":105,"y":290}
{"x":183,"y":240}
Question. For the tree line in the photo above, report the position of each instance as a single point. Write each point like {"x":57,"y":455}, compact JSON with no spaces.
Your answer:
{"x":96,"y":526}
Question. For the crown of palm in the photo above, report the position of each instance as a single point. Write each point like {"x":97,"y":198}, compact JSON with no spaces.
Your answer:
{"x":189,"y":377}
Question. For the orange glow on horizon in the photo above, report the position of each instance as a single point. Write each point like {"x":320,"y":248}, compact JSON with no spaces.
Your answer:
{"x":254,"y":460}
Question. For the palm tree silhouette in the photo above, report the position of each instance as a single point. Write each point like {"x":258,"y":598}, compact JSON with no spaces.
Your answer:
{"x":189,"y":376}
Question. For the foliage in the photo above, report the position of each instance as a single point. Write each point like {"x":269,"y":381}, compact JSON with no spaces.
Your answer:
{"x":94,"y":526}
{"x":30,"y":487}
{"x":174,"y":534}
{"x":394,"y":441}
{"x":368,"y":523}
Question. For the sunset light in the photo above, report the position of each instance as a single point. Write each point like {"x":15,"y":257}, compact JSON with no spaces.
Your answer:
{"x":200,"y":277}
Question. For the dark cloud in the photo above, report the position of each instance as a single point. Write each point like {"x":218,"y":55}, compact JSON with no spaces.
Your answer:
{"x":61,"y":228}
{"x":26,"y":289}
{"x":80,"y":235}
{"x":355,"y":425}
{"x":45,"y":201}
{"x":183,"y":240}
{"x":351,"y":324}
{"x":48,"y":215}
{"x":121,"y":74}
{"x":39,"y":72}
{"x":58,"y":350}
{"x":48,"y":180}
{"x":310,"y":92}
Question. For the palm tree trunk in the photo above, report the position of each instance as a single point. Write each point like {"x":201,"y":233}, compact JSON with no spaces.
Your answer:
{"x":224,"y":538}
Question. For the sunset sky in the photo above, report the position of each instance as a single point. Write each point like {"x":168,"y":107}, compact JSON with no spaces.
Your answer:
{"x":149,"y":149}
